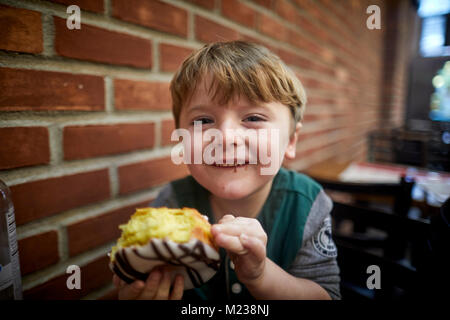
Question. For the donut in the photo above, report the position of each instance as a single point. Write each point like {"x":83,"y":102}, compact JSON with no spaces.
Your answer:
{"x":180,"y":238}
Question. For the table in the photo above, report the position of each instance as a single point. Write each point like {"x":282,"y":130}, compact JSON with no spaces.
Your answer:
{"x":429,"y":193}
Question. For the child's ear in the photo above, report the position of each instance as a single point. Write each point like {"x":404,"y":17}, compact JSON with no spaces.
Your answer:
{"x":292,"y":145}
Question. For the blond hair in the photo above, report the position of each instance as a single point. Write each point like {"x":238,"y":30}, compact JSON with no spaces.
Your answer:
{"x":238,"y":68}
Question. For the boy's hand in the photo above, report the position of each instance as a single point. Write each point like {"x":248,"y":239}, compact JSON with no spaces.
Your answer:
{"x":245,"y":241}
{"x":156,"y":287}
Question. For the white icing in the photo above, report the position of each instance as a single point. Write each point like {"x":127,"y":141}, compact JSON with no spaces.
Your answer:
{"x":145,"y":266}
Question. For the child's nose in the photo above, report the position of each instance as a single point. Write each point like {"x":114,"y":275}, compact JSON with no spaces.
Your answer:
{"x":230,"y":131}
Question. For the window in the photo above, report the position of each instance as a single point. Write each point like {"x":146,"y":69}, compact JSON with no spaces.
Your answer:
{"x":434,"y":39}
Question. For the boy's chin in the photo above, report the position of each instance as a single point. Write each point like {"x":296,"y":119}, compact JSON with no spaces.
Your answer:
{"x":230,"y":192}
{"x":231,"y":186}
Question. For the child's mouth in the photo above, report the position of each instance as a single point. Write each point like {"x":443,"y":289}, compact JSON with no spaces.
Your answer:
{"x":230,"y":166}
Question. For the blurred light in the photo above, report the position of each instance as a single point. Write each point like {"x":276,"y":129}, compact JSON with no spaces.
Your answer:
{"x":447,"y":67}
{"x":446,"y":137}
{"x":417,"y":193}
{"x":438,"y":81}
{"x":428,"y":8}
{"x":433,"y":36}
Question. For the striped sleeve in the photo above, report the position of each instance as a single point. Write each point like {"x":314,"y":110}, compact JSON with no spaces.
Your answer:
{"x":316,"y":259}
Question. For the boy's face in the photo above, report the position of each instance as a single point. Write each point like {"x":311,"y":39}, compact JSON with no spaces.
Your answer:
{"x":237,"y":182}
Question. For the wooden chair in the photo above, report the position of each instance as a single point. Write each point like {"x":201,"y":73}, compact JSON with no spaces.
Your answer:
{"x":399,"y":192}
{"x":381,"y":146}
{"x":400,"y":195}
{"x":400,"y":279}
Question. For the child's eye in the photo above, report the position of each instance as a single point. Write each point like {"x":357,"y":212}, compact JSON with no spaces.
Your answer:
{"x":202,"y":120}
{"x":253,"y":119}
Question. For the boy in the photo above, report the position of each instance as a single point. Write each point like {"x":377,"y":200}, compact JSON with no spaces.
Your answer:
{"x":275,"y":229}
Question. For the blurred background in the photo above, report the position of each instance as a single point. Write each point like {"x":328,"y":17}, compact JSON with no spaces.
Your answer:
{"x":85,"y":114}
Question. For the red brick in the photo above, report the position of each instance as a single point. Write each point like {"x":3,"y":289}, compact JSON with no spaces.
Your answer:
{"x":314,"y":83}
{"x":33,"y":259}
{"x":264,"y":3}
{"x":20,"y":30}
{"x":286,"y":10}
{"x":152,"y":14}
{"x":143,"y":175}
{"x":141,"y":95}
{"x":245,"y":37}
{"x":308,"y":135}
{"x":293,"y":59}
{"x":307,"y":118}
{"x":324,"y":69}
{"x":312,"y":29}
{"x":167,"y":127}
{"x":43,"y":198}
{"x":89,"y":5}
{"x":93,"y":232}
{"x":308,"y":152}
{"x":298,"y":40}
{"x":82,"y":142}
{"x":316,"y":13}
{"x":311,"y":9}
{"x":209,"y":31}
{"x":93,"y":276}
{"x":239,"y":12}
{"x":172,"y":56}
{"x":100,"y":45}
{"x":23,"y":146}
{"x":343,"y":18}
{"x":208,"y":4}
{"x":273,"y":28}
{"x":304,"y":63}
{"x":43,"y":90}
{"x":320,"y":100}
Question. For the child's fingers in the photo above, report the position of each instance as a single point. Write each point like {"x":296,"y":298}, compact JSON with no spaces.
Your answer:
{"x":116,"y":281}
{"x":232,"y":229}
{"x":254,"y":246}
{"x":131,"y":291}
{"x":236,"y":228}
{"x":151,"y":285}
{"x":164,"y":286}
{"x":230,"y":243}
{"x":226,"y":218}
{"x":178,"y":288}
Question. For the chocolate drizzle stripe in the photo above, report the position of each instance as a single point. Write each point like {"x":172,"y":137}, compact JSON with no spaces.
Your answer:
{"x":158,"y":254}
{"x":136,"y":252}
{"x":127,"y":268}
{"x":122,"y":275}
{"x":214,"y":264}
{"x":192,"y":277}
{"x":193,"y":274}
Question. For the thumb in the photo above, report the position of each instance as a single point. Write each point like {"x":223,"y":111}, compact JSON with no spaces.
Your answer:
{"x":131,"y":291}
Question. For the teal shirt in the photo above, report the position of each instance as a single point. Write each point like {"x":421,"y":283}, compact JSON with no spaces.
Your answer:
{"x":282,"y":217}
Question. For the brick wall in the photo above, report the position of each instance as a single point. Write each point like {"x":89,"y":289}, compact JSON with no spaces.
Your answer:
{"x":85,"y":116}
{"x":399,"y":41}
